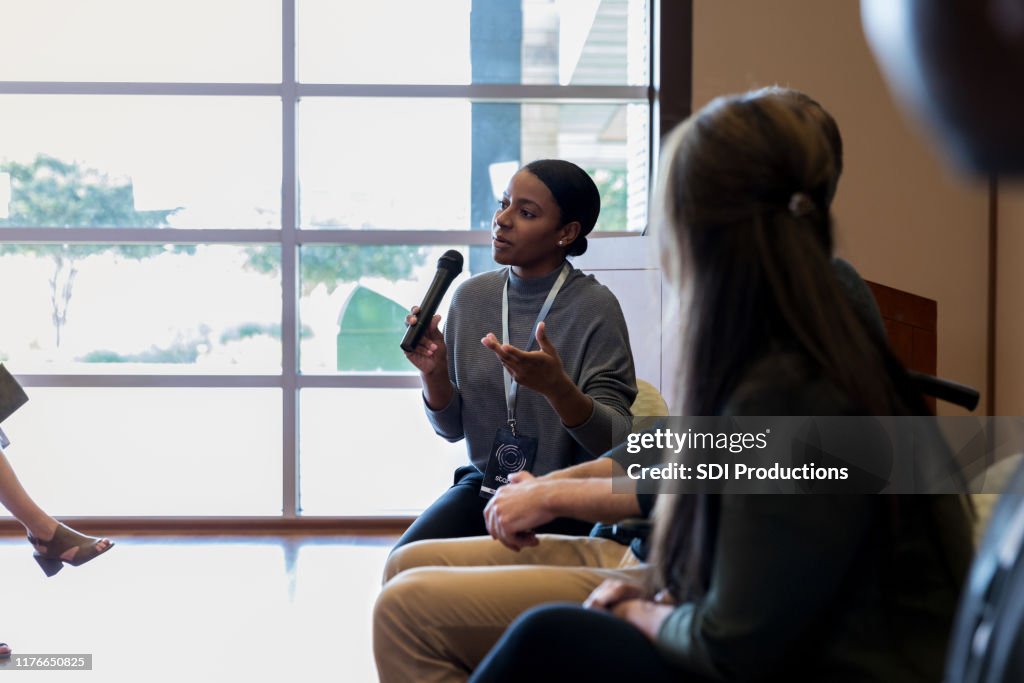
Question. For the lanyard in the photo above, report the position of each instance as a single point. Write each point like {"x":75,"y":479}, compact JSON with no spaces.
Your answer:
{"x":512,"y":386}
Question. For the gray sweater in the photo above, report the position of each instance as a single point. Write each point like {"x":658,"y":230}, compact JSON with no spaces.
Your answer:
{"x":585,"y":325}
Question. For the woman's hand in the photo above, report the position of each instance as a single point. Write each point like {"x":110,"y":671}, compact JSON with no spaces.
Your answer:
{"x":430,"y":356}
{"x":542,"y":371}
{"x":627,"y":601}
{"x":646,"y":615}
{"x":611,"y":592}
{"x":539,"y":370}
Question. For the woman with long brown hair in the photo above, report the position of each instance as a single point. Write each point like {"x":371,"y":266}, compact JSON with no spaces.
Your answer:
{"x":841,"y":587}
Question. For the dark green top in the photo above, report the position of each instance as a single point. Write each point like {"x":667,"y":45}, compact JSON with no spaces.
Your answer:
{"x":829,"y":588}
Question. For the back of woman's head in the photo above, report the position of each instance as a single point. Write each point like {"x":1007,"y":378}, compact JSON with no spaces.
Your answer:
{"x":744,"y":196}
{"x":575,"y":193}
{"x":746,"y":160}
{"x":822,"y":119}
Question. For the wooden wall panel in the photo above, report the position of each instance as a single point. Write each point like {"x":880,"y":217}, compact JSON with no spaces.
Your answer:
{"x":911,"y":322}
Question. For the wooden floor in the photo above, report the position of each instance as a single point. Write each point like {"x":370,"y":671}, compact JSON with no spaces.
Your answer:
{"x":200,"y":609}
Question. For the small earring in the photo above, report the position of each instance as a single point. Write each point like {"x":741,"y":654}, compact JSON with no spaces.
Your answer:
{"x":561,"y":243}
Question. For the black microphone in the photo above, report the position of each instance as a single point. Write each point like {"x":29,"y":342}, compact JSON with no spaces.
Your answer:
{"x":448,"y":268}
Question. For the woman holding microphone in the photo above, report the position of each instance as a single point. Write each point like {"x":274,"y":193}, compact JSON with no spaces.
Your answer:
{"x":534,"y":363}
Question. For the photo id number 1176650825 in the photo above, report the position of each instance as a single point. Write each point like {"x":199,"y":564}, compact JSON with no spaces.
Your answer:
{"x":49,"y":662}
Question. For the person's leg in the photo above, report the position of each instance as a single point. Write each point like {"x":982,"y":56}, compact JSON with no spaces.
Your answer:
{"x":457,"y":513}
{"x":566,"y":526}
{"x":14,"y":497}
{"x":52,"y":540}
{"x":434,"y":624}
{"x":569,"y":643}
{"x":480,"y":551}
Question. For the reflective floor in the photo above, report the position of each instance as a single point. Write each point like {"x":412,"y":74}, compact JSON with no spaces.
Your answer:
{"x":199,"y":609}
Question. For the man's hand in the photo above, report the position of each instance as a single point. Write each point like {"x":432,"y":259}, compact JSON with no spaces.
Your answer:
{"x":517,"y":509}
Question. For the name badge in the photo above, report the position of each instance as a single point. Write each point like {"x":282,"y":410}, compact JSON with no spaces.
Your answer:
{"x":510,"y":453}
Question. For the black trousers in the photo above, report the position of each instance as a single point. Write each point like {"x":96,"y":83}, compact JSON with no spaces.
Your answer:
{"x":563,"y":642}
{"x":459,"y":512}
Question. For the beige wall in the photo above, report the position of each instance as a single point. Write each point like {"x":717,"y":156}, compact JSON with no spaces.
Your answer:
{"x":902,"y":218}
{"x":1010,"y":301}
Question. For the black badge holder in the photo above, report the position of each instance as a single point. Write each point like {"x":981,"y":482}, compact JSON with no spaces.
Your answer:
{"x":12,"y":397}
{"x":511,"y":453}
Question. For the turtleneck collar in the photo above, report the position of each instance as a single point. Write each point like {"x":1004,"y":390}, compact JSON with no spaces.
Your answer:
{"x":528,"y":286}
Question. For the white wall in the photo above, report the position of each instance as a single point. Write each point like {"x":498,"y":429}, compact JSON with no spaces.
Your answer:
{"x":626,"y":266}
{"x":903,"y":219}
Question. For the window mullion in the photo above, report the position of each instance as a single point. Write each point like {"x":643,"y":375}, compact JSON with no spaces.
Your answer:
{"x":289,"y":267}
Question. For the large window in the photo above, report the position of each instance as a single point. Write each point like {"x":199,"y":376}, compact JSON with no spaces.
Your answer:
{"x":214,"y":215}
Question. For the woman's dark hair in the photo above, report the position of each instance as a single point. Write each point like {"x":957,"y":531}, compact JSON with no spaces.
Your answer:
{"x":574,"y":192}
{"x":744,"y":194}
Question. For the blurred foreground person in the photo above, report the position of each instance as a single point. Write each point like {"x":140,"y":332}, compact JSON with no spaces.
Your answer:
{"x":764,"y":587}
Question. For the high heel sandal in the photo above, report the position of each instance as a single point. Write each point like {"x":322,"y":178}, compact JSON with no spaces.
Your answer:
{"x":64,"y":539}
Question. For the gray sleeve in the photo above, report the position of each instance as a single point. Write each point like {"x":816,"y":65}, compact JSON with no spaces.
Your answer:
{"x":608,"y":378}
{"x":447,"y":421}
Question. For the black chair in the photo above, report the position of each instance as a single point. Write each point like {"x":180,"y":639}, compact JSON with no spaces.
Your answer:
{"x":987,"y":644}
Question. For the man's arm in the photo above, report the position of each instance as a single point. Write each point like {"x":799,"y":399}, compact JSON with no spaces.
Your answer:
{"x":591,"y":500}
{"x":601,"y":467}
{"x":528,"y":502}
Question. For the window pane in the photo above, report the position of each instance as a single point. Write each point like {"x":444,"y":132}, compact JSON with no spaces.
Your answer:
{"x":355,"y":299}
{"x":150,"y":451}
{"x":418,"y":173}
{"x":140,"y":308}
{"x":231,"y":41}
{"x":371,"y":452}
{"x":146,"y":161}
{"x":579,"y":42}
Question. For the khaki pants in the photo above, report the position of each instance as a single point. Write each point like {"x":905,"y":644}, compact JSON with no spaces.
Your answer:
{"x":445,"y":603}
